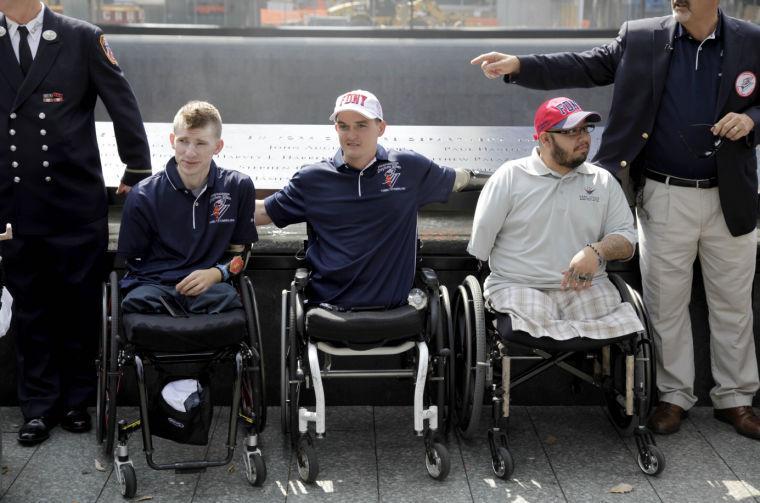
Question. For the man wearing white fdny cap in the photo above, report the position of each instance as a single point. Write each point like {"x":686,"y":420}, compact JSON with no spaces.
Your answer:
{"x":362,"y":207}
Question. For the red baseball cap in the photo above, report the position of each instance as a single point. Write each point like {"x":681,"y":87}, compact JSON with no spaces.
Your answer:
{"x":561,"y":113}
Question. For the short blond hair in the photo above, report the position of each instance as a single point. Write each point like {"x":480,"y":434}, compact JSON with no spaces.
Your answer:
{"x":198,"y":115}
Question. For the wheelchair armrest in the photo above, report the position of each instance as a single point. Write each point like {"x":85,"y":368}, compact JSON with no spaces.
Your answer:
{"x":301,"y":278}
{"x":429,"y":278}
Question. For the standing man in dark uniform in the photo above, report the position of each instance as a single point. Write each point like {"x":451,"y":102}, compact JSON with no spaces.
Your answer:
{"x":683,"y":129}
{"x":52,"y":70}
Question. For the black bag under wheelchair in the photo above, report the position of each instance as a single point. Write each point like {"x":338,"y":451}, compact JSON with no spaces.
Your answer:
{"x":204,"y":342}
{"x":313,"y":339}
{"x":623,"y":368}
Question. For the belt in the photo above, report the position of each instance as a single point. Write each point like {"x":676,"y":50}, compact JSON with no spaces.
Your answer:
{"x":704,"y":183}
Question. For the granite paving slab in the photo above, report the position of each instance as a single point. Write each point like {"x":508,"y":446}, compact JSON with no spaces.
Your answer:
{"x":533,"y":478}
{"x":229,"y":484}
{"x":401,"y":462}
{"x":11,"y":419}
{"x":588,"y":456}
{"x":14,"y":459}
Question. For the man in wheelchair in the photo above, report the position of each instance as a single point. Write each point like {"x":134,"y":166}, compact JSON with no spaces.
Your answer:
{"x":547,"y":224}
{"x":176,"y":228}
{"x":178,"y":224}
{"x":361,"y":208}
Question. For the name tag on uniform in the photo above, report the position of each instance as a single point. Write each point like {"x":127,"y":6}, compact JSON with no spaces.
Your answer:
{"x":52,"y":98}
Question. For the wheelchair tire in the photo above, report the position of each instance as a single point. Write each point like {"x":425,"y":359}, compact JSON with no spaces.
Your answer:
{"x":112,"y":380}
{"x":284,"y":377}
{"x":257,"y":390}
{"x":308,"y":465}
{"x":470,"y":353}
{"x":102,"y":364}
{"x":616,"y":388}
{"x":438,"y":461}
{"x":447,"y":322}
{"x":503,"y":465}
{"x":128,"y":481}
{"x":654,"y":462}
{"x":255,"y":469}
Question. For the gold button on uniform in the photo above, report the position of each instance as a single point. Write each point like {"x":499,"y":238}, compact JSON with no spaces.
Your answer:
{"x":16,"y":179}
{"x":44,"y":148}
{"x":14,"y":164}
{"x":623,"y":164}
{"x":45,"y":164}
{"x":13,"y":115}
{"x":645,"y":136}
{"x":42,"y":115}
{"x":47,"y":179}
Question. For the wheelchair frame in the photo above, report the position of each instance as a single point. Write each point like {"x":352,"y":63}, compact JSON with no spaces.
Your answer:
{"x":623,"y":370}
{"x":116,"y":354}
{"x":300,"y":367}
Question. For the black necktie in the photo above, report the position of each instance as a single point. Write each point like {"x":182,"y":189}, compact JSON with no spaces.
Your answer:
{"x":24,"y":52}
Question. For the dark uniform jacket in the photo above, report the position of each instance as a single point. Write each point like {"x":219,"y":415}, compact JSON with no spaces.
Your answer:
{"x":50,"y":174}
{"x":637,"y":63}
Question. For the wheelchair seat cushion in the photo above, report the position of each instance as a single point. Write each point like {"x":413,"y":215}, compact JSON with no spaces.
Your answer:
{"x":363,"y":329}
{"x":504,"y":327}
{"x":198,"y":332}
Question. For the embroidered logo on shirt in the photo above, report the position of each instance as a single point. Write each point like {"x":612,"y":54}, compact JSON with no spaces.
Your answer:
{"x":391,"y":173}
{"x":220,"y":203}
{"x":587,"y":196}
{"x":745,"y":84}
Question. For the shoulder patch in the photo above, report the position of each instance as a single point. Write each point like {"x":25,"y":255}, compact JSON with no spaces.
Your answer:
{"x":107,"y":50}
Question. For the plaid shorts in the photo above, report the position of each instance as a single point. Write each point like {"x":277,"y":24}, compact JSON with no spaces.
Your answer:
{"x":596,"y":312}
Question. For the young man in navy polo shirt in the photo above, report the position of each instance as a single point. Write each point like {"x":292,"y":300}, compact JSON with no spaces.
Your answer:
{"x":362,"y":207}
{"x":178,"y":223}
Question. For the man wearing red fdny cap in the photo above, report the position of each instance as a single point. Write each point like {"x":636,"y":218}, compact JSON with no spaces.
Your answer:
{"x":682,"y":133}
{"x":547,"y":224}
{"x":362,"y":207}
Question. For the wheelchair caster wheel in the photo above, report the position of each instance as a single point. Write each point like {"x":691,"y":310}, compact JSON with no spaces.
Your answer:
{"x":437,"y":461}
{"x":653,"y":463}
{"x":255,"y":468}
{"x":308,"y":466}
{"x":503,"y":465}
{"x":128,"y":481}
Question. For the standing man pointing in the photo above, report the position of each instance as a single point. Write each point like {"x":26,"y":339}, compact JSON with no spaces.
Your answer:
{"x":52,"y":70}
{"x":682,"y":133}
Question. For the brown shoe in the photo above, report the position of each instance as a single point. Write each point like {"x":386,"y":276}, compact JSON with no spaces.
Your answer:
{"x":666,"y":418}
{"x":743,"y":419}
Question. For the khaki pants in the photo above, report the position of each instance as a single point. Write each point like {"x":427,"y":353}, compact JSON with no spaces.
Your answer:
{"x":676,"y":225}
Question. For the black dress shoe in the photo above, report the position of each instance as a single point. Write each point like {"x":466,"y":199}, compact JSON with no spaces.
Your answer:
{"x":35,"y":431}
{"x":76,"y":421}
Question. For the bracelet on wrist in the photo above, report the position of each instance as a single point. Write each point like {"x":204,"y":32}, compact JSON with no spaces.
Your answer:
{"x":224,"y":270}
{"x":599,"y":257}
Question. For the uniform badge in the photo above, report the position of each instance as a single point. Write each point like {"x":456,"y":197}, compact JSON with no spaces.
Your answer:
{"x":52,"y":97}
{"x":107,"y":50}
{"x":745,"y":84}
{"x":3,"y":31}
{"x":49,"y":35}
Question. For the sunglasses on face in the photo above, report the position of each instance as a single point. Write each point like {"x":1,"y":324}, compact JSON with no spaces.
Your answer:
{"x":709,"y":145}
{"x":574,"y":132}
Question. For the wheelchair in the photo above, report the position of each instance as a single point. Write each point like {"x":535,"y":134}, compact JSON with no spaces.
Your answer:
{"x":137,"y":340}
{"x":623,"y":368}
{"x":406,"y":330}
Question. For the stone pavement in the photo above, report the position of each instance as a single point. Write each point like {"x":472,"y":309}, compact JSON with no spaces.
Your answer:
{"x":370,"y":454}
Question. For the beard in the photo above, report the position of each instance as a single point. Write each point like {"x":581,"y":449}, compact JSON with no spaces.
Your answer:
{"x":566,"y":157}
{"x":681,"y":16}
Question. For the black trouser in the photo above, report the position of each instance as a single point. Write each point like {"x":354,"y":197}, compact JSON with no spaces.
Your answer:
{"x":55,"y":281}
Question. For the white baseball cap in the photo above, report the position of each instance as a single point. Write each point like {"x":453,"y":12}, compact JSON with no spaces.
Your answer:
{"x":363,"y":102}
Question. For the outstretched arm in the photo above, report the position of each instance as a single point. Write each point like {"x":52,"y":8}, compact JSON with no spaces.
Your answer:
{"x":260,"y":216}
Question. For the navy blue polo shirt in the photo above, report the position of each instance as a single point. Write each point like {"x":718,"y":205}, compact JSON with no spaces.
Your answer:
{"x":690,"y":97}
{"x":167,"y":232}
{"x":364,"y":223}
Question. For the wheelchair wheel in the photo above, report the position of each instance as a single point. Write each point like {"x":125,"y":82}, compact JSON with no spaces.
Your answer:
{"x":448,"y":414}
{"x":102,"y":364}
{"x":470,"y":354}
{"x":503,"y":464}
{"x":437,"y":461}
{"x":308,"y":466}
{"x":653,"y":463}
{"x":113,"y":378}
{"x":128,"y":481}
{"x":645,"y":387}
{"x":253,"y":402}
{"x":285,"y":329}
{"x":255,"y":468}
{"x":290,"y":386}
